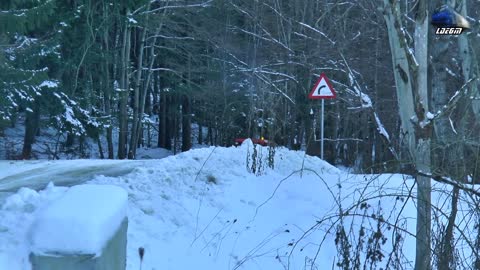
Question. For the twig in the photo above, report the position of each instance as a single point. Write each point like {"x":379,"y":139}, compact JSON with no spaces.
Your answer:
{"x":201,"y":199}
{"x":448,"y":181}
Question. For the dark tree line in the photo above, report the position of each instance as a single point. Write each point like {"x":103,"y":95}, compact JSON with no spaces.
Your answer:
{"x":132,"y":73}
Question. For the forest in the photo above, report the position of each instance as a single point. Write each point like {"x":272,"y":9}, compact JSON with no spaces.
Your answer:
{"x":104,"y":78}
{"x":139,"y":73}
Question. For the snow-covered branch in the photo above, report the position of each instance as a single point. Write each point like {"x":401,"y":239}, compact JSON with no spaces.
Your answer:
{"x":200,"y":5}
{"x":170,"y":37}
{"x":317,"y":31}
{"x":162,"y":69}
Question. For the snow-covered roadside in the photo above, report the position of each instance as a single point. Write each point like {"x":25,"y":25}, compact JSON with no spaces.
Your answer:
{"x":222,"y":217}
{"x":16,"y":217}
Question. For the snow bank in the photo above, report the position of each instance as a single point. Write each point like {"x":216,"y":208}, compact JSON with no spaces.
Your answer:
{"x":247,"y":144}
{"x":16,"y":217}
{"x":81,"y":221}
{"x":153,"y":153}
{"x":205,"y":206}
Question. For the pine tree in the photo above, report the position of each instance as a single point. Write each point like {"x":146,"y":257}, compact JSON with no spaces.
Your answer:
{"x":25,"y":33}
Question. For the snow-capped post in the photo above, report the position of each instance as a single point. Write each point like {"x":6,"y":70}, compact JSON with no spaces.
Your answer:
{"x":322,"y":90}
{"x":85,"y":229}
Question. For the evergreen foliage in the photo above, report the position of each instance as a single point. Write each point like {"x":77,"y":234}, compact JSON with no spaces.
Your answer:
{"x":26,"y":40}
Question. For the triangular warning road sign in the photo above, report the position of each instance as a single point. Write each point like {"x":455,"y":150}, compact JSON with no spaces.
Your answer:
{"x":322,"y":89}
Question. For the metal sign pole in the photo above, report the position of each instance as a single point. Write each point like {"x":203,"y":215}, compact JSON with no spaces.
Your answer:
{"x":322,"y":90}
{"x":321,"y":131}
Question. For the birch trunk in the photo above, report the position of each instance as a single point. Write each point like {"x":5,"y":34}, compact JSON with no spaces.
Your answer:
{"x":412,"y":87}
{"x":423,"y":149}
{"x":403,"y":79}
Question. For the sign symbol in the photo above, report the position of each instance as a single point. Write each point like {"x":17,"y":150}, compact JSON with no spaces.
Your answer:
{"x":320,"y":88}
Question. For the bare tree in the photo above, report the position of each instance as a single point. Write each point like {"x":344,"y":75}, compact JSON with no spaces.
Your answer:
{"x":411,"y":69}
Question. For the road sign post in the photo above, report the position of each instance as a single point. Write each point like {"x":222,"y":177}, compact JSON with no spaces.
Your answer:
{"x":322,"y":90}
{"x":321,"y":130}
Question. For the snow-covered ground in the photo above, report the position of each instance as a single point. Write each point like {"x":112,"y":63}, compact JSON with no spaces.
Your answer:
{"x":202,"y":209}
{"x":153,"y":153}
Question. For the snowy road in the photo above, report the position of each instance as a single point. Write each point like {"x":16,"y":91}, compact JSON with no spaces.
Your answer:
{"x":37,"y":174}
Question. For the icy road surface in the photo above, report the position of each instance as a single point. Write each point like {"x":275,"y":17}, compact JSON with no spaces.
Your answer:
{"x":37,"y":174}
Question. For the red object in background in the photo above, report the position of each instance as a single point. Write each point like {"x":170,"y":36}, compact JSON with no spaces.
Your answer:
{"x":262,"y":142}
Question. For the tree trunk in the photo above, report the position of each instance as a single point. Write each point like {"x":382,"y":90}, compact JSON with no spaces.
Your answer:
{"x":186,"y":112}
{"x":443,"y":134}
{"x":177,"y":112}
{"x":200,"y":131}
{"x":210,"y":135}
{"x":143,"y":95}
{"x":100,"y":148}
{"x":136,"y":99}
{"x":162,"y":120}
{"x":423,"y":137}
{"x":124,"y":85}
{"x":402,"y":76}
{"x":31,"y":127}
{"x":107,"y":88}
{"x":109,"y":136}
{"x":215,"y":139}
{"x":423,"y":246}
{"x":447,"y":254}
{"x":186,"y":124}
{"x":170,"y":124}
{"x":70,"y":140}
{"x":412,"y":85}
